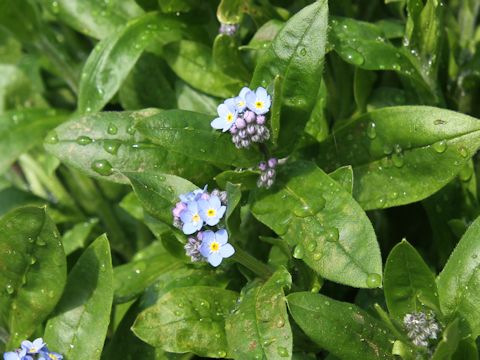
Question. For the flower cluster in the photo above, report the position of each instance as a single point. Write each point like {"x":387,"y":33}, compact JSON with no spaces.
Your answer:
{"x":421,"y":327}
{"x":195,"y":210}
{"x":244,"y":117}
{"x":268,"y":173}
{"x":32,"y":350}
{"x":228,"y":29}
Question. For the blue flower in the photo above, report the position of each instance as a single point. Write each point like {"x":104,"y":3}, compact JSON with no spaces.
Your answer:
{"x":192,"y":221}
{"x":17,"y":355}
{"x":33,"y":347}
{"x":215,"y":246}
{"x":211,"y":210}
{"x":50,"y":355}
{"x":259,"y":101}
{"x":193,"y":195}
{"x":227,"y":115}
{"x":240,"y":100}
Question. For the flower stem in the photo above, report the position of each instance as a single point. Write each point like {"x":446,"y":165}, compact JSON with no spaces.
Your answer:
{"x":251,"y":263}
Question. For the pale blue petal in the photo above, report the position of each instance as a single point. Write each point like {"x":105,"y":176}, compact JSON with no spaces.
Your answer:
{"x":205,"y":249}
{"x":221,"y":211}
{"x":215,"y":259}
{"x":261,"y":94}
{"x":218,"y":123}
{"x":11,"y":356}
{"x":250,"y":98}
{"x":230,"y":103}
{"x":189,"y":228}
{"x":208,"y":237}
{"x":186,"y":216}
{"x":244,"y":92}
{"x":227,"y":126}
{"x":223,"y":111}
{"x":221,"y":236}
{"x":192,"y":206}
{"x":215,"y":202}
{"x":203,"y":205}
{"x":227,"y":250}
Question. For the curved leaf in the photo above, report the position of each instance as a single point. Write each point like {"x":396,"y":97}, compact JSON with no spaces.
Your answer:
{"x":79,"y":326}
{"x":401,"y":154}
{"x":459,"y":282}
{"x":190,"y":134}
{"x":33,"y":270}
{"x":188,"y":319}
{"x":409,"y":283}
{"x":20,"y":130}
{"x":259,"y":328}
{"x":105,"y":144}
{"x":342,"y":328}
{"x":112,"y":59}
{"x":313,"y":212}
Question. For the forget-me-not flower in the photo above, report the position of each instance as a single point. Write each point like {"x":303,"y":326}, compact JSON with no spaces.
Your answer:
{"x":33,"y":347}
{"x":227,"y":114}
{"x":211,"y":210}
{"x":193,"y":195}
{"x":259,"y":101}
{"x":241,"y":101}
{"x":215,"y":246}
{"x":49,"y":355}
{"x":17,"y":355}
{"x":192,"y":221}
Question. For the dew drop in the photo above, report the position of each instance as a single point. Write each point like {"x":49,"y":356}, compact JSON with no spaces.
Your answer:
{"x":9,"y":288}
{"x":312,"y":245}
{"x":331,"y":234}
{"x":374,"y":280}
{"x":317,"y":256}
{"x":102,"y":167}
{"x":111,"y":146}
{"x":353,"y":57}
{"x":466,"y":173}
{"x":371,"y":130}
{"x":463,"y":152}
{"x":398,"y":160}
{"x":282,"y":351}
{"x":112,"y":129}
{"x":51,"y":138}
{"x":299,"y":252}
{"x":205,"y":304}
{"x":222,"y":354}
{"x":303,"y":51}
{"x":131,"y":130}
{"x":440,"y":146}
{"x":33,"y":260}
{"x":83,"y":140}
{"x":40,"y":242}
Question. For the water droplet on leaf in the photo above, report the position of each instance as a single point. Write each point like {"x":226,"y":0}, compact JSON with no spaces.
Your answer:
{"x":371,"y":130}
{"x":374,"y":281}
{"x":83,"y":140}
{"x":102,"y":167}
{"x":440,"y":146}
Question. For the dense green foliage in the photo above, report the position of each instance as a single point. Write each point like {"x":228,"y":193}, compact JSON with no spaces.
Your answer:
{"x":366,"y":246}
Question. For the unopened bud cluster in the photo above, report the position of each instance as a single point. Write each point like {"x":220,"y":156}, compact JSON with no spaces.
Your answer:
{"x":228,"y":29}
{"x":267,"y":173}
{"x":421,"y":327}
{"x":244,"y":116}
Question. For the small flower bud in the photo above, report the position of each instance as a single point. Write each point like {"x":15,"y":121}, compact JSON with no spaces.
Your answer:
{"x":269,"y":183}
{"x":179,"y":207}
{"x":249,"y":116}
{"x":260,"y":119}
{"x":177,"y":223}
{"x":233,"y":130}
{"x":242,"y":134}
{"x":251,"y":129}
{"x":272,"y":162}
{"x":271,"y":173}
{"x":245,"y":143}
{"x":262,"y":166}
{"x":240,"y":123}
{"x":228,"y":29}
{"x":256,"y":138}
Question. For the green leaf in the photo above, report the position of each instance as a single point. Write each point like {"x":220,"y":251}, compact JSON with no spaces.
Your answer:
{"x":148,"y":73}
{"x":188,"y":319}
{"x":311,"y":211}
{"x":105,"y":144}
{"x":192,"y":100}
{"x":20,"y":130}
{"x":10,"y":48}
{"x":342,"y":328}
{"x":344,"y":176}
{"x":79,"y":326}
{"x":33,"y":271}
{"x":132,"y":278}
{"x":409,"y":283}
{"x":190,"y":134}
{"x":459,"y":282}
{"x":94,"y":18}
{"x":227,"y":57}
{"x":407,"y":152}
{"x":76,"y":237}
{"x":296,"y":54}
{"x":258,"y":328}
{"x":246,"y":178}
{"x":466,"y":350}
{"x":112,"y":59}
{"x":448,"y":344}
{"x":159,"y":192}
{"x":317,"y":125}
{"x":192,"y":62}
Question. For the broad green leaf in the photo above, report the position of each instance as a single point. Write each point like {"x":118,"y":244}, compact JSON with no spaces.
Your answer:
{"x":344,"y":176}
{"x":227,"y":57}
{"x":188,"y":319}
{"x":264,"y":35}
{"x":105,"y":144}
{"x":190,"y":134}
{"x":33,"y":270}
{"x":342,"y":328}
{"x":401,"y":154}
{"x":94,"y":18}
{"x":12,"y":198}
{"x":79,"y":325}
{"x":192,"y":100}
{"x":173,"y":6}
{"x":10,"y":48}
{"x":259,"y":328}
{"x":76,"y":237}
{"x":148,"y":73}
{"x":193,"y":63}
{"x":234,"y":195}
{"x":21,"y":18}
{"x":246,"y":178}
{"x":158,"y":193}
{"x":317,"y":125}
{"x":296,"y":54}
{"x":448,"y":344}
{"x":459,"y":282}
{"x":132,"y":278}
{"x":20,"y":130}
{"x":314,"y":213}
{"x":409,"y":283}
{"x":466,"y":350}
{"x":112,"y":59}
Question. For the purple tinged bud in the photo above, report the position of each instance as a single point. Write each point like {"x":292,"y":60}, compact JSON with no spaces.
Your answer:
{"x":233,"y":130}
{"x":200,"y":235}
{"x":242,"y":134}
{"x":177,"y":223}
{"x":251,"y":129}
{"x":262,"y":166}
{"x":240,"y":123}
{"x":256,"y":138}
{"x":261,"y":130}
{"x":205,"y":196}
{"x":269,"y":183}
{"x":260,"y":119}
{"x":272,"y":162}
{"x":245,"y":143}
{"x":270,"y":173}
{"x":228,"y":29}
{"x":249,"y":116}
{"x":179,"y":207}
{"x":263,"y":177}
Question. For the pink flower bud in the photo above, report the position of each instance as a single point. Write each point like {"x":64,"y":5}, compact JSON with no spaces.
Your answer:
{"x":240,"y":123}
{"x":179,"y":207}
{"x":260,"y":119}
{"x":249,"y":116}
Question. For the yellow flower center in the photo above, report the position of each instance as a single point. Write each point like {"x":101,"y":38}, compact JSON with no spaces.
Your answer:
{"x":214,"y":246}
{"x":259,"y":104}
{"x":211,"y":212}
{"x":53,"y":357}
{"x":195,"y":218}
{"x":241,"y":103}
{"x":229,"y":117}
